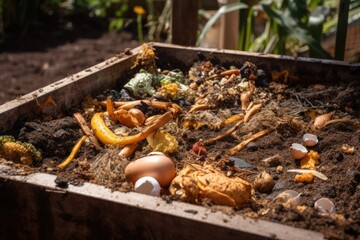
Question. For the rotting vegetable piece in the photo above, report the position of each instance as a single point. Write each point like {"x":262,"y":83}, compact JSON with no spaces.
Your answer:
{"x":146,"y":58}
{"x":304,"y":177}
{"x":195,"y":183}
{"x":172,"y":77}
{"x":106,"y":136}
{"x":264,"y":182}
{"x":310,"y":160}
{"x":18,"y":152}
{"x":169,"y":91}
{"x":163,"y":142}
{"x":130,"y":118}
{"x":142,"y":84}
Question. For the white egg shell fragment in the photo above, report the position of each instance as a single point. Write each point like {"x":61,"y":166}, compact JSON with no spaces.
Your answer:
{"x":155,"y":164}
{"x":325,"y":206}
{"x":298,"y":151}
{"x":290,"y":197}
{"x":310,"y":140}
{"x":147,"y":185}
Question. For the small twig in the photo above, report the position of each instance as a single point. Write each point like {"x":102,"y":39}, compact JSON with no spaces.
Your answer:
{"x":227,"y":133}
{"x":336,"y":121}
{"x":243,"y":144}
{"x":82,"y":122}
{"x":254,"y":109}
{"x":128,"y":150}
{"x":230,"y":120}
{"x":73,"y":153}
{"x":228,"y":80}
{"x":201,"y":107}
{"x":225,"y":73}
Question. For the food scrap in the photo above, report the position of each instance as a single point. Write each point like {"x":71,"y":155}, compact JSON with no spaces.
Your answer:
{"x":310,"y":160}
{"x":19,"y":152}
{"x":195,"y":183}
{"x":208,"y":134}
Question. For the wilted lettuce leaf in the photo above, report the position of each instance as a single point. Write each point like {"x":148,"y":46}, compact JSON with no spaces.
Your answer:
{"x":172,"y":77}
{"x":142,"y":84}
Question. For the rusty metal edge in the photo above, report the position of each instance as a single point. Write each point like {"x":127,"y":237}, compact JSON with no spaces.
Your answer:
{"x":233,"y":226}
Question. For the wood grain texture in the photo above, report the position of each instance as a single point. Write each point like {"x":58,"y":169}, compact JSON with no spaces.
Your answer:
{"x":184,"y":22}
{"x":37,"y":209}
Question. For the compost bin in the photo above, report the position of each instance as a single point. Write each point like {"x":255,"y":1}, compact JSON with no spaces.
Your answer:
{"x":42,"y":202}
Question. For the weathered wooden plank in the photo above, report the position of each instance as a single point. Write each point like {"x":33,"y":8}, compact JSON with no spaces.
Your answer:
{"x":309,"y":70}
{"x":66,"y":92}
{"x":35,"y":209}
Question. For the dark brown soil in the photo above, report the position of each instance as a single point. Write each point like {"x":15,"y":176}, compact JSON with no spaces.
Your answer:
{"x":47,"y":54}
{"x":57,"y":137}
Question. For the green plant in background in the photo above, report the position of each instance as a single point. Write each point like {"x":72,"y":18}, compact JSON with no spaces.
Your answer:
{"x":140,"y":11}
{"x":222,"y":10}
{"x":289,"y":26}
{"x":158,"y":23}
{"x":292,"y":19}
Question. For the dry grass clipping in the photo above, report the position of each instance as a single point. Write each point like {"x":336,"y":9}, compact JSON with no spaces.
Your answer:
{"x":108,"y":169}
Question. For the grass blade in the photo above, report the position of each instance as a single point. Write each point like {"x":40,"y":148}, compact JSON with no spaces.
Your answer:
{"x":224,"y":9}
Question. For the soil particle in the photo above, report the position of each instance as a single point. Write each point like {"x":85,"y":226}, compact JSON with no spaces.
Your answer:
{"x":54,"y":139}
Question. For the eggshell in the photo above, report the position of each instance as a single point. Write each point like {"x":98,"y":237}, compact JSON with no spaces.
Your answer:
{"x":325,"y":206}
{"x":155,"y":165}
{"x":147,"y":185}
{"x":289,"y":197}
{"x":310,"y":140}
{"x":298,"y":151}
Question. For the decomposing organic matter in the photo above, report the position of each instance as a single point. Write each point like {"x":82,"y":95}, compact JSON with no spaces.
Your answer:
{"x":222,"y":135}
{"x":195,"y":183}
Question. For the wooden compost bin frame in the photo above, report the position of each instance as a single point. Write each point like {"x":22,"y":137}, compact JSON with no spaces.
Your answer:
{"x":32,"y":207}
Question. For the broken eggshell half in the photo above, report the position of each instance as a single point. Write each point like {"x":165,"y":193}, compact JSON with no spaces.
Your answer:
{"x":288,"y":197}
{"x":324,"y":206}
{"x":310,"y":140}
{"x":298,"y":151}
{"x":147,"y":185}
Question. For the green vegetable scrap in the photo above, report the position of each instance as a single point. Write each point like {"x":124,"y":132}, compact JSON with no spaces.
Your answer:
{"x":18,"y":152}
{"x":142,"y":84}
{"x":172,"y":77}
{"x":172,"y":85}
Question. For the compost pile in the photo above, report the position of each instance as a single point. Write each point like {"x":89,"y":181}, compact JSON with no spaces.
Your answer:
{"x":258,"y":144}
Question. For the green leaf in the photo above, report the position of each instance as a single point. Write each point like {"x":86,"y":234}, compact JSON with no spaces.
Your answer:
{"x":316,"y":23}
{"x":291,"y":26}
{"x":224,"y":9}
{"x":298,"y":10}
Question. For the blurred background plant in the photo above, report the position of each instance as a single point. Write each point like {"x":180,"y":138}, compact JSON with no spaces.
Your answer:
{"x":290,"y":27}
{"x":121,"y":14}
